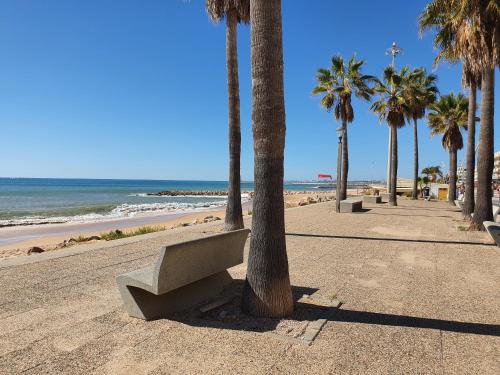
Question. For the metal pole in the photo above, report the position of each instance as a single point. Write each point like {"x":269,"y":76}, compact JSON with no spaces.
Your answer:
{"x":339,"y":174}
{"x":393,"y":51}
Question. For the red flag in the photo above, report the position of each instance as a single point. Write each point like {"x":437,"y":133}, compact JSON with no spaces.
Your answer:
{"x":321,"y":175}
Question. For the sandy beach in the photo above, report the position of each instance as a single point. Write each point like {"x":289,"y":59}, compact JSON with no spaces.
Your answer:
{"x":16,"y":241}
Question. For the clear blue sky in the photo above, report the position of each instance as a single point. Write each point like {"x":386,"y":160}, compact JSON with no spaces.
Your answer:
{"x":137,"y":89}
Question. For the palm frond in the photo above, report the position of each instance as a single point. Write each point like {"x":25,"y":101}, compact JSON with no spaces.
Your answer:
{"x":217,"y":10}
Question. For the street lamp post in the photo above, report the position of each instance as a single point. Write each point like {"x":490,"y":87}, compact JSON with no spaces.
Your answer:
{"x":393,"y":51}
{"x":340,"y":133}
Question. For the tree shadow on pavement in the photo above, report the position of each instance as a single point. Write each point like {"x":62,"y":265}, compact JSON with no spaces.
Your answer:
{"x":443,"y":242}
{"x":229,"y":316}
{"x":366,"y":317}
{"x":412,"y":215}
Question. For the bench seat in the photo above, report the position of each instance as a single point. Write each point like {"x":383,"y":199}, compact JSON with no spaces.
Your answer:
{"x":351,"y":205}
{"x":372,"y":199}
{"x":385,"y":197}
{"x":184,"y":275}
{"x":493,"y":230}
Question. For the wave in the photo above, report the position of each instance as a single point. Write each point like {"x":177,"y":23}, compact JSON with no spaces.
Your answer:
{"x":121,"y":211}
{"x":148,"y":195}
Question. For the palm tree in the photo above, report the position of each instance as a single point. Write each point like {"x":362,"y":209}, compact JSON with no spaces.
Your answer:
{"x":337,"y":85}
{"x":234,"y":11}
{"x":469,"y":200}
{"x":419,"y":92}
{"x":472,"y":27}
{"x":391,"y":108}
{"x":422,"y":182}
{"x":267,"y":290}
{"x":447,"y":117}
{"x":442,"y":18}
{"x":433,"y":172}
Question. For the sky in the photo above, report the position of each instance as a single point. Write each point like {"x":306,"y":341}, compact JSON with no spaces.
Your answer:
{"x":137,"y":89}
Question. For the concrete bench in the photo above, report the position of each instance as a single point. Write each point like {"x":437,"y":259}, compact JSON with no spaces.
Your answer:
{"x":372,"y":199}
{"x":493,"y":230}
{"x":185,"y":274}
{"x":351,"y":205}
{"x":385,"y":197}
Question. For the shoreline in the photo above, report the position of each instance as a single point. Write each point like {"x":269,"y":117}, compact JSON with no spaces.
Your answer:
{"x":17,"y":240}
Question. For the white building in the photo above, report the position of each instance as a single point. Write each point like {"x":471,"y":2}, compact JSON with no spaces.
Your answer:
{"x":496,"y":166}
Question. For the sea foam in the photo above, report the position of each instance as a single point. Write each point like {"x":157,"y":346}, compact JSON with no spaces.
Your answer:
{"x":121,"y":211}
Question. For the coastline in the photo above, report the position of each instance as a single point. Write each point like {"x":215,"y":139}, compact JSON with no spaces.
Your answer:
{"x":16,"y":241}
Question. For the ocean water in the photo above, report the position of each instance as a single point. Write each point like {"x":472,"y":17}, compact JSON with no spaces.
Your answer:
{"x":38,"y":200}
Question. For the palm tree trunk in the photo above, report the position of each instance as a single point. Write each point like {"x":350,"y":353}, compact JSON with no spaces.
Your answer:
{"x":345,"y":161}
{"x":394,"y":167}
{"x":234,"y":212}
{"x":414,"y":194}
{"x":468,"y":206}
{"x":483,"y":210}
{"x":452,"y":186}
{"x":267,"y":290}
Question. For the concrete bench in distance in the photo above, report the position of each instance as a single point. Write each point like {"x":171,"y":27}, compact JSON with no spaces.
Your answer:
{"x":493,"y":230}
{"x":184,"y":275}
{"x":385,"y":197}
{"x":351,"y":205}
{"x":372,"y":199}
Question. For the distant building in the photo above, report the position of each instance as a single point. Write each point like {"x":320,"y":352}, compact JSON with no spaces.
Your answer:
{"x":496,"y":166}
{"x":462,"y":171}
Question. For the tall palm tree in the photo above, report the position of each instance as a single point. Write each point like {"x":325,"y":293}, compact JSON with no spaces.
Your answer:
{"x":391,"y":108}
{"x":469,"y":201}
{"x":337,"y":85}
{"x":234,"y":11}
{"x":473,"y":29}
{"x":267,"y":290}
{"x":442,"y":18}
{"x":447,"y":117}
{"x":419,"y":92}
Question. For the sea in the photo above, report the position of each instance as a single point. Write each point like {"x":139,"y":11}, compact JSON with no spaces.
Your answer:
{"x":26,"y":201}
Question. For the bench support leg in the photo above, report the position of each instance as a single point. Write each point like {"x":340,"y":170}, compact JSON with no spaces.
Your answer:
{"x":144,"y":305}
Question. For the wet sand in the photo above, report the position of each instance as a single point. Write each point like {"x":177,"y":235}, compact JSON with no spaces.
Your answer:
{"x":15,"y":241}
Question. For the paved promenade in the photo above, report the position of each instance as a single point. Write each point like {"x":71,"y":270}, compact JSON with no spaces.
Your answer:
{"x":420,"y":296}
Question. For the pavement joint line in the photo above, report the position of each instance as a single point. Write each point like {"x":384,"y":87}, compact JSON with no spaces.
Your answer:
{"x":288,"y":339}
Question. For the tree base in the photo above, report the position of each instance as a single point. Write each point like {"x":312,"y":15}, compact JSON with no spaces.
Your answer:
{"x":279,"y":301}
{"x":475,"y":227}
{"x":229,"y":227}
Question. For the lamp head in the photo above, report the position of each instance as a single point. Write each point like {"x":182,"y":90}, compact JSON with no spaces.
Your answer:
{"x":340,"y":133}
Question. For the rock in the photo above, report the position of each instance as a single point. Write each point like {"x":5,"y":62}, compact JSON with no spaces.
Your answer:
{"x":94,"y":238}
{"x":311,"y":200}
{"x":195,"y":222}
{"x":35,"y":250}
{"x":184,"y":224}
{"x":303,"y":203}
{"x":209,"y":219}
